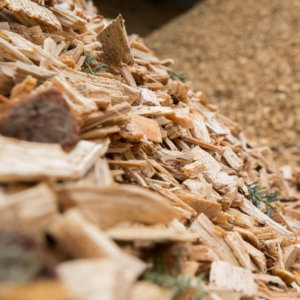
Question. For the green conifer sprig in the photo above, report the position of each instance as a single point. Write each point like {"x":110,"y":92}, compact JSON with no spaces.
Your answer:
{"x":178,"y":284}
{"x":258,"y":195}
{"x":89,"y":59}
{"x":178,"y":76}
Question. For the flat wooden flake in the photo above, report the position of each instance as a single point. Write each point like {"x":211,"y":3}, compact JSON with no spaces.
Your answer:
{"x":29,"y":161}
{"x":148,"y":126}
{"x":29,"y":13}
{"x":115,"y":45}
{"x":110,"y":205}
{"x":228,"y":277}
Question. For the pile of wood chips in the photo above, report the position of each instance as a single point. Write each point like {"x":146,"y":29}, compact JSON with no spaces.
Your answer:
{"x":119,"y":182}
{"x":245,"y":56}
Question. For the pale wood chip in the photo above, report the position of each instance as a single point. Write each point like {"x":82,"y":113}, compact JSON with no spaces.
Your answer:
{"x":210,"y":164}
{"x":213,"y":124}
{"x":220,"y":181}
{"x":68,"y":18}
{"x":148,"y":98}
{"x":199,"y":131}
{"x":169,"y":157}
{"x":148,"y":126}
{"x":290,"y":255}
{"x":203,"y":253}
{"x":109,"y":205}
{"x":228,"y":277}
{"x":152,"y":111}
{"x":110,"y":113}
{"x":203,"y":189}
{"x":240,"y":219}
{"x":29,"y":49}
{"x":173,"y":131}
{"x":204,"y":145}
{"x":236,"y":243}
{"x":145,"y":290}
{"x":157,"y":235}
{"x":22,"y":70}
{"x":182,"y":118}
{"x":270,"y":280}
{"x":24,"y":88}
{"x":213,"y":239}
{"x":192,"y":170}
{"x":211,"y":209}
{"x":178,"y":89}
{"x":50,"y":161}
{"x":99,"y":132}
{"x":124,"y":70}
{"x":79,"y":104}
{"x":257,"y":257}
{"x":29,"y":14}
{"x":110,"y":279}
{"x":248,"y":208}
{"x":233,"y":160}
{"x":131,"y":131}
{"x":12,"y":53}
{"x":32,"y":210}
{"x":248,"y":236}
{"x":93,"y":243}
{"x":115,"y":44}
{"x":128,"y":163}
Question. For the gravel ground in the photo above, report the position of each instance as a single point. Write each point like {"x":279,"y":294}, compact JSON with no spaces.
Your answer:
{"x":245,"y":56}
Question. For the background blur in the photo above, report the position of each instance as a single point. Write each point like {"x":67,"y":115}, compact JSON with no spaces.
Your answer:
{"x":144,"y":16}
{"x":244,"y":54}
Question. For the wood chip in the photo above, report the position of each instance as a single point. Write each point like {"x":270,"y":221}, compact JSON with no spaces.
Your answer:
{"x":150,"y":235}
{"x":213,"y":239}
{"x":227,"y":277}
{"x":17,"y":156}
{"x":149,"y":127}
{"x":29,"y":13}
{"x":126,"y":203}
{"x":115,"y":45}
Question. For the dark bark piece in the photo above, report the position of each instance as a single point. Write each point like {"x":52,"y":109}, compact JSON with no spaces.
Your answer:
{"x":115,"y":44}
{"x":44,"y":117}
{"x":21,"y":258}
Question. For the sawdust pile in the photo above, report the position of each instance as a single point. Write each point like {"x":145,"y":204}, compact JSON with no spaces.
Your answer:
{"x":245,"y":56}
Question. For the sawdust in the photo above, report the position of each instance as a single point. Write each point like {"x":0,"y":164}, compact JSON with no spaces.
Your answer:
{"x":245,"y":56}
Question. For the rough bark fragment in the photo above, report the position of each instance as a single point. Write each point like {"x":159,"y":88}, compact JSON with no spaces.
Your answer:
{"x":44,"y":117}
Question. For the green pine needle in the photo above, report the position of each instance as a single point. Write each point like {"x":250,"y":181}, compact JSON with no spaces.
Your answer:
{"x":178,"y":284}
{"x":89,"y":59}
{"x":178,"y":76}
{"x":258,"y":195}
